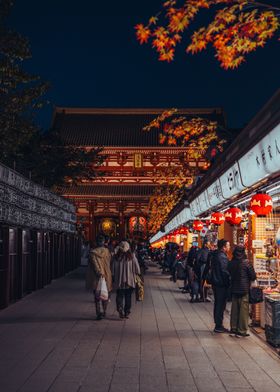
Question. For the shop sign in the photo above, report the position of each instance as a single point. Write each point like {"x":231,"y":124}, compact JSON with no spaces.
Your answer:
{"x":231,"y":182}
{"x":200,"y":204}
{"x":138,"y":161}
{"x":257,"y":243}
{"x":214,"y":194}
{"x":262,"y":160}
{"x":184,"y":216}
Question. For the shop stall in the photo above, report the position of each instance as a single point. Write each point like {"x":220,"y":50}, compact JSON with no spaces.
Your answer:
{"x":239,"y":200}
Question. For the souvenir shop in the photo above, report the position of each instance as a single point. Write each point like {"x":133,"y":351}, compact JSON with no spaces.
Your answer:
{"x":240,"y":201}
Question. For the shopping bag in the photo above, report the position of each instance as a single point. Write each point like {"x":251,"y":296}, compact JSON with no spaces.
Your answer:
{"x":101,"y":292}
{"x":139,"y":288}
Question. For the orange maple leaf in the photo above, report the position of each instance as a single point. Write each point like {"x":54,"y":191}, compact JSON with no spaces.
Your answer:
{"x":167,"y":55}
{"x":143,"y":33}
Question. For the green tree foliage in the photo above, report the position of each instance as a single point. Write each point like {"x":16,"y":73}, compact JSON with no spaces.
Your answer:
{"x":40,"y":155}
{"x":20,"y":93}
{"x":51,"y":163}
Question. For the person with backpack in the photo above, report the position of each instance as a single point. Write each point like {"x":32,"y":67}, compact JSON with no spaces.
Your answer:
{"x":220,"y":280}
{"x":242,"y":274}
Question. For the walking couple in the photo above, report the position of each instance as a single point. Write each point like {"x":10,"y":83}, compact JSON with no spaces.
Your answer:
{"x":119,"y":270}
{"x":231,"y":277}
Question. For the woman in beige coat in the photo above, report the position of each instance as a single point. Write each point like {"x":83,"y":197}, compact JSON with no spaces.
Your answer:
{"x":124,"y":269}
{"x":99,"y":266}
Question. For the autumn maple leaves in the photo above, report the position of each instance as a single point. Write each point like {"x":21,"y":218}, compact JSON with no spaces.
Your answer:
{"x":238,"y":28}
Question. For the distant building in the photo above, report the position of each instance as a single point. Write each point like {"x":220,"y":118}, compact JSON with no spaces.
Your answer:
{"x":117,"y":203}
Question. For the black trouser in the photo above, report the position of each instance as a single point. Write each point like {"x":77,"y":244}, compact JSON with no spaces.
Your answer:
{"x":220,"y":298}
{"x":123,"y":300}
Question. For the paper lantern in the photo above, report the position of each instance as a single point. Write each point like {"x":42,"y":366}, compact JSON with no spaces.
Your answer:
{"x":261,"y":204}
{"x":217,"y":218}
{"x":197,"y":225}
{"x":183,"y":230}
{"x":233,"y":216}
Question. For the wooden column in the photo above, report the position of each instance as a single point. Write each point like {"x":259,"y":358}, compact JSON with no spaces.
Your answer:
{"x":90,"y":218}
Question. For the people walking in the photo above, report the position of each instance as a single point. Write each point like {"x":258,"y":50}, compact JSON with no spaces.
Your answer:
{"x":242,"y":274}
{"x":125,"y":268}
{"x":99,"y":267}
{"x":220,"y":278}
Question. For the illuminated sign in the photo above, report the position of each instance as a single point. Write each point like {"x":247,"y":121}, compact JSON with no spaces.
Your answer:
{"x":138,"y":161}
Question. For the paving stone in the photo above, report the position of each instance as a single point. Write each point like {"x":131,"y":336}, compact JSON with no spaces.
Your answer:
{"x":50,"y":342}
{"x":62,"y":386}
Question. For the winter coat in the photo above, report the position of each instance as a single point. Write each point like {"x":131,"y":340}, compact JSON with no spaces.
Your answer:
{"x":200,"y":261}
{"x":124,"y":271}
{"x":192,"y":255}
{"x":242,"y":274}
{"x":220,"y":276}
{"x":100,"y":264}
{"x":202,"y":255}
{"x":207,"y":268}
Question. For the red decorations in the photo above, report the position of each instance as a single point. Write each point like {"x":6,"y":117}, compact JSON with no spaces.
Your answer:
{"x":217,"y":218}
{"x":261,"y":204}
{"x":233,"y":216}
{"x":197,"y":225}
{"x":137,"y":224}
{"x":183,"y":230}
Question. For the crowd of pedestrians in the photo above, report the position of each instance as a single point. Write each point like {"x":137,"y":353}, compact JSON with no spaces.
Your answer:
{"x":210,"y":268}
{"x":207,"y":269}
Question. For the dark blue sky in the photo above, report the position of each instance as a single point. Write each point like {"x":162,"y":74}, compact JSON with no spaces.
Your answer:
{"x":88,"y":51}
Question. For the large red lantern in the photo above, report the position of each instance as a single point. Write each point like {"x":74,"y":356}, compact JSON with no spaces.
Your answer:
{"x":261,"y":204}
{"x":217,"y":218}
{"x":183,"y":230}
{"x":233,"y":216}
{"x":197,"y":225}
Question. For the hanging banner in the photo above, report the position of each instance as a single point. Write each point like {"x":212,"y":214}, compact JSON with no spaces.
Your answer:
{"x":231,"y":182}
{"x":262,"y":160}
{"x":214,"y":194}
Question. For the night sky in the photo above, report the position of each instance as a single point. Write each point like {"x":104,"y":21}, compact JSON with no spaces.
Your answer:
{"x":87,"y":50}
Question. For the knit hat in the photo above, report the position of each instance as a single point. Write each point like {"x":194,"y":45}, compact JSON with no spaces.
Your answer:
{"x":124,"y":246}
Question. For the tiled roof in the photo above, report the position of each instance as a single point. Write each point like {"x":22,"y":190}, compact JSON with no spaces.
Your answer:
{"x":108,"y":190}
{"x":117,"y":127}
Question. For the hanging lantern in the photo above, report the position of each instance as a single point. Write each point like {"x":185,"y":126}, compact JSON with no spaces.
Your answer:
{"x":217,"y":218}
{"x":261,"y":204}
{"x":233,"y":216}
{"x":183,"y":230}
{"x":197,"y":225}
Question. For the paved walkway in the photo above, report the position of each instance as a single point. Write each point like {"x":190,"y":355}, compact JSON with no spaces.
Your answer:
{"x":50,"y":341}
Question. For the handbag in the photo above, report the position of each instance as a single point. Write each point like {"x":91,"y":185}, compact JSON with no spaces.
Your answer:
{"x":139,"y":288}
{"x":101,"y":292}
{"x":255,"y":295}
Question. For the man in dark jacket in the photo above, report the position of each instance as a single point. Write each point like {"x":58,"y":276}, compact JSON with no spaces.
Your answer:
{"x":242,"y":274}
{"x":192,"y":284}
{"x":220,"y":282}
{"x":199,"y":267}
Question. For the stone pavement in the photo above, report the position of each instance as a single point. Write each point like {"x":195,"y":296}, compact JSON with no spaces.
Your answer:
{"x":50,"y":341}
